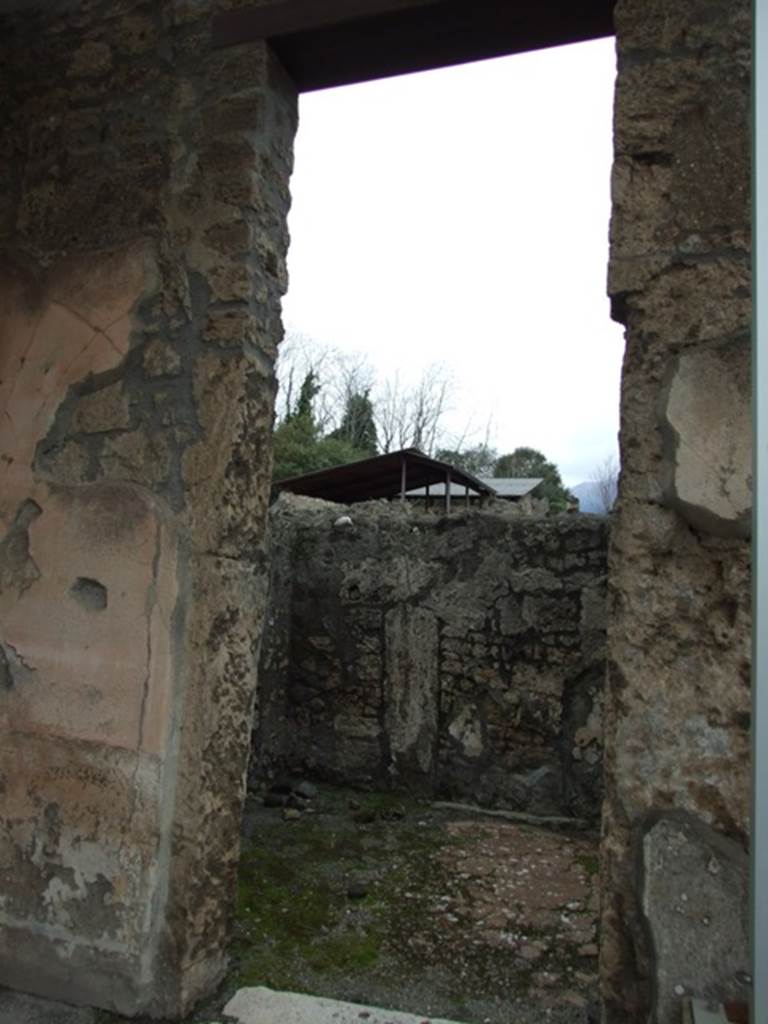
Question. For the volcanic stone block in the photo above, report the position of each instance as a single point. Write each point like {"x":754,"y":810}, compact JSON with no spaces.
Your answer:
{"x":706,"y":426}
{"x":695,"y":892}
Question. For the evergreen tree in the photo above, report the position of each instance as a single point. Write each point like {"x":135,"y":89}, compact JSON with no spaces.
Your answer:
{"x":529,"y":462}
{"x":310,"y":388}
{"x":357,"y":425}
{"x":298,"y":445}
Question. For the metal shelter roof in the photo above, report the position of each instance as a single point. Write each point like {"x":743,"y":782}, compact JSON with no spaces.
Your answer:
{"x":515,"y":486}
{"x":505,"y":487}
{"x":383,"y":476}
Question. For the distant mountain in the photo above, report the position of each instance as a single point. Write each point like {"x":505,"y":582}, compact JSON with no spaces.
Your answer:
{"x":589,"y":497}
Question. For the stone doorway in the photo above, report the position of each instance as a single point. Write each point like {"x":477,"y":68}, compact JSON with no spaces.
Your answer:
{"x":143,"y":255}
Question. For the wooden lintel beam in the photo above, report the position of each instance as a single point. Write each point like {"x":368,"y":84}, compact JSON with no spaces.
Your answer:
{"x":323,"y":43}
{"x":287,"y":17}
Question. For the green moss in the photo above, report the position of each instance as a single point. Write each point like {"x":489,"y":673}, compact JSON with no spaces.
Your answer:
{"x":292,"y":908}
{"x":345,"y":952}
{"x":296,"y":927}
{"x":590,"y":863}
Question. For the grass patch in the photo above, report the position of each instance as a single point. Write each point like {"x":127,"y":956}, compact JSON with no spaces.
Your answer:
{"x":292,"y":907}
{"x":590,"y":863}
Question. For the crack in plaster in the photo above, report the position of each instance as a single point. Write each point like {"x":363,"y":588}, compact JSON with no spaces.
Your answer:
{"x":14,"y":668}
{"x":23,"y":359}
{"x":98,"y":331}
{"x":7,"y":645}
{"x":17,"y":566}
{"x":149,"y":609}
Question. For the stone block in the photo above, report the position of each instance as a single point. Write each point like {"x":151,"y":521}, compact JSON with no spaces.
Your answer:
{"x":260,"y":1005}
{"x":91,"y":59}
{"x":695,"y":900}
{"x":229,"y":281}
{"x":705,"y":153}
{"x":160,"y":359}
{"x":229,"y":328}
{"x":232,"y":114}
{"x":136,"y":456}
{"x":693,"y":301}
{"x":706,"y":424}
{"x":654,"y":27}
{"x":98,"y":411}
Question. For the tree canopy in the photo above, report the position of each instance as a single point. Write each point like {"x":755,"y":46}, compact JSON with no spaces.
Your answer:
{"x":529,"y":462}
{"x":331,"y":411}
{"x":299,"y":445}
{"x":479,"y":460}
{"x":358,"y":427}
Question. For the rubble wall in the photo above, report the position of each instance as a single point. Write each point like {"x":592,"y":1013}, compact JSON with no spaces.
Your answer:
{"x":678,"y":701}
{"x":460,"y":656}
{"x":142,"y":219}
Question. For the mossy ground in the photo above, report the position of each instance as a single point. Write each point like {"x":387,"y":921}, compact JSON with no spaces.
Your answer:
{"x":398,"y":946}
{"x":295,"y":918}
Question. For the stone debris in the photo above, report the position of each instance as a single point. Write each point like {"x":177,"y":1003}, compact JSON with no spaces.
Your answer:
{"x":264,"y":1006}
{"x":295,"y":794}
{"x":357,"y":890}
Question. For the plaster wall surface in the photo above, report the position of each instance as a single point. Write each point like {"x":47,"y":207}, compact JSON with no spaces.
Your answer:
{"x":678,"y":701}
{"x":460,"y":656}
{"x":142,"y":218}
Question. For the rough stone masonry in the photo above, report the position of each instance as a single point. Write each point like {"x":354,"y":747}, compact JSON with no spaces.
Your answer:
{"x":675,"y":824}
{"x":460,"y":656}
{"x":142,"y":218}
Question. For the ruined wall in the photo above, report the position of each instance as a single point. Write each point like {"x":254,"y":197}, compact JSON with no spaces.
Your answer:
{"x":677,"y":733}
{"x":461,"y":655}
{"x":142,"y":218}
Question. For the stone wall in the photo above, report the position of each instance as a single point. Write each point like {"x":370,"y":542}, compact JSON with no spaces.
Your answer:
{"x":142,"y":219}
{"x":677,"y":723}
{"x":460,"y":656}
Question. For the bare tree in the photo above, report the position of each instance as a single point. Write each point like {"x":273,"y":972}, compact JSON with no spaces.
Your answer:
{"x":299,"y":355}
{"x":605,"y":478}
{"x":405,"y":417}
{"x":338,"y":376}
{"x":349,"y":374}
{"x":389,"y":415}
{"x":412,"y":417}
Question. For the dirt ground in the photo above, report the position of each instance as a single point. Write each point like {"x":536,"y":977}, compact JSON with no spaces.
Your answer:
{"x":403,"y":905}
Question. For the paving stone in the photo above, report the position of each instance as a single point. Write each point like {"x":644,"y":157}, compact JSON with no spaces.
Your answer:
{"x":263,"y":1006}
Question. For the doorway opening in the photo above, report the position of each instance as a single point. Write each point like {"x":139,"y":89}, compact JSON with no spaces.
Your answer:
{"x":425,"y":773}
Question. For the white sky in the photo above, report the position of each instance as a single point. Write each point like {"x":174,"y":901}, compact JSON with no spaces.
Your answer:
{"x":460,"y":216}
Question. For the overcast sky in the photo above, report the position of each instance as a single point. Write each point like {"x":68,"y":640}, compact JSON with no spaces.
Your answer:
{"x":460,"y":216}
